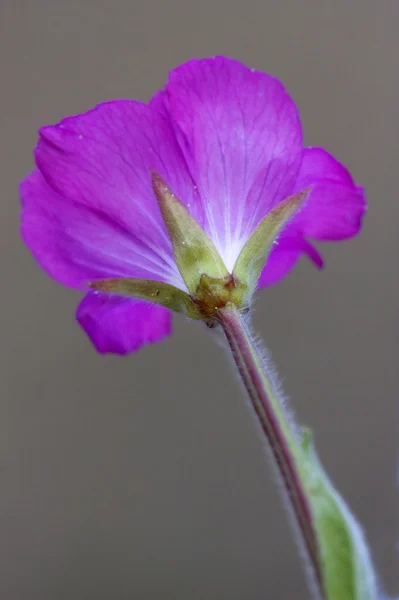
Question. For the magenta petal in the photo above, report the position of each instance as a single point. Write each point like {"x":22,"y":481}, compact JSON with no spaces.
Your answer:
{"x":241,"y":138}
{"x":122,"y":325}
{"x":335,"y":206}
{"x":333,"y":211}
{"x":76,"y":244}
{"x":102,"y":160}
{"x":284,"y":256}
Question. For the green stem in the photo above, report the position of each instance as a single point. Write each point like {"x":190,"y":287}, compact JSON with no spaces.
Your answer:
{"x":274,"y":423}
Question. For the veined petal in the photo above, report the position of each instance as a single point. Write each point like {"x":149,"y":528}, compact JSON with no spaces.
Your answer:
{"x":76,"y":244}
{"x":336,"y":205}
{"x":285,"y":254}
{"x":241,"y":138}
{"x":122,"y":325}
{"x":102,"y":160}
{"x":333,"y":211}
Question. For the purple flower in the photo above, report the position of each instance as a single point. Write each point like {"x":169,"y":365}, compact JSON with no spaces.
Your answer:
{"x":227,"y":141}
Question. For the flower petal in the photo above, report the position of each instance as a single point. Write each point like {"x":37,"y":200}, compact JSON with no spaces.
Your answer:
{"x":76,"y":244}
{"x":102,"y":160}
{"x":335,"y":207}
{"x":241,"y":137}
{"x":121,"y":325}
{"x":333,"y":211}
{"x":285,"y":254}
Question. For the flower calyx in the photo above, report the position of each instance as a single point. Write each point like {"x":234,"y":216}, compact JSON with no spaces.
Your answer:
{"x":209,"y":285}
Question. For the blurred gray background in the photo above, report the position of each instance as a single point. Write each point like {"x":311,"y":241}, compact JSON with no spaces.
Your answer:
{"x":144,"y":477}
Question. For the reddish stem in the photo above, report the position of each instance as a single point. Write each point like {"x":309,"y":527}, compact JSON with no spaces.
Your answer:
{"x":274,"y":424}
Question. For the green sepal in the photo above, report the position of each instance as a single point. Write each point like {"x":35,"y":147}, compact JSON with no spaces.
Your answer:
{"x":346,"y":567}
{"x":157,"y":292}
{"x":195,"y":254}
{"x":254,"y":254}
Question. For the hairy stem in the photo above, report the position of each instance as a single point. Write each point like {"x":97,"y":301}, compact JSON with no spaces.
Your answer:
{"x":282,"y":439}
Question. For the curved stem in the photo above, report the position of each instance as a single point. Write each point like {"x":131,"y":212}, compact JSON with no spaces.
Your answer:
{"x":274,"y":423}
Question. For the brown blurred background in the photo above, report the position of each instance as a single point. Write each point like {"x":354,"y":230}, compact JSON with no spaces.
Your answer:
{"x":143,"y":477}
